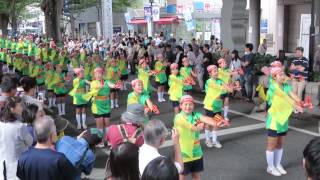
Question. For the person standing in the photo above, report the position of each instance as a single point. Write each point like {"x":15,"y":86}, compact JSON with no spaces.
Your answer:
{"x":207,"y":61}
{"x":263,"y":47}
{"x":280,"y":98}
{"x":299,"y":72}
{"x":54,"y":165}
{"x":14,"y":137}
{"x":248,"y":65}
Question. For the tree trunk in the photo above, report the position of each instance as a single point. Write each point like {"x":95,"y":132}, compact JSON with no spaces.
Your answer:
{"x":73,"y":26}
{"x":53,"y":10}
{"x":14,"y":25}
{"x":4,"y":20}
{"x":14,"y":21}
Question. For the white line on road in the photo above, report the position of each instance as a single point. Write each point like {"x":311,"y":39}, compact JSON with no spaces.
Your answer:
{"x":226,"y":132}
{"x":260,"y":117}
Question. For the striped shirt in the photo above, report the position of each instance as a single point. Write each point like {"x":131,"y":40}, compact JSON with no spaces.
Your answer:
{"x":304,"y":62}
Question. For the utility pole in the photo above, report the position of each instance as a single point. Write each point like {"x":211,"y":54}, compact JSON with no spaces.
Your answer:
{"x":311,"y":40}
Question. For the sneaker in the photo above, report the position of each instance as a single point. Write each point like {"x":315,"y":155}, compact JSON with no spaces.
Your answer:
{"x":101,"y":145}
{"x":117,"y":105}
{"x":209,"y":143}
{"x":84,"y":126}
{"x":227,"y":119}
{"x":217,"y":144}
{"x":79,"y":126}
{"x":159,"y":100}
{"x":163,"y":100}
{"x":281,"y":169}
{"x":273,"y":171}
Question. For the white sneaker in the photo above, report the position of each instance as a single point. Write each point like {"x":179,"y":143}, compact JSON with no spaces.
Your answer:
{"x":117,"y":105}
{"x":227,"y":119}
{"x":281,"y":169}
{"x":112,"y":107}
{"x":159,"y":100}
{"x":163,"y":100}
{"x":84,"y":126}
{"x":273,"y":171}
{"x":101,"y":145}
{"x":217,"y":144}
{"x":79,"y":126}
{"x":209,"y":143}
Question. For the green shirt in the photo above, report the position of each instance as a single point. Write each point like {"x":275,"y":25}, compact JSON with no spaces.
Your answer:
{"x":212,"y":100}
{"x":161,"y":68}
{"x":134,"y":98}
{"x":272,"y":122}
{"x":189,"y":140}
{"x":185,"y":72}
{"x":101,"y":103}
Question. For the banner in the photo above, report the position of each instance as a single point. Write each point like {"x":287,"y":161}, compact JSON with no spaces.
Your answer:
{"x":189,"y":21}
{"x":155,"y":12}
{"x":128,"y":19}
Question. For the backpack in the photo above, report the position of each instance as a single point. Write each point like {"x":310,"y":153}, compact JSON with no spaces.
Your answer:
{"x":75,"y":158}
{"x":125,"y":137}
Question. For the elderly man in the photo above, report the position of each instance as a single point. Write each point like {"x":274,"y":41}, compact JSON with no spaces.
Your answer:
{"x":155,"y":134}
{"x":54,"y":165}
{"x":130,"y":129}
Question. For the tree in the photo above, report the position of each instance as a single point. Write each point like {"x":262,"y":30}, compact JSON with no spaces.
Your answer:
{"x":53,"y":10}
{"x":10,"y":10}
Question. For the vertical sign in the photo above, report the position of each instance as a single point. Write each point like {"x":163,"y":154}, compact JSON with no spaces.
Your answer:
{"x":107,"y":20}
{"x":189,"y":21}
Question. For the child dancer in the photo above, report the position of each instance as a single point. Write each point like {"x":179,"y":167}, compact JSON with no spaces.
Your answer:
{"x":60,"y":90}
{"x":161,"y":77}
{"x":99,"y":94}
{"x":187,"y":73}
{"x":141,"y":97}
{"x":79,"y":85}
{"x":281,"y":102}
{"x":214,"y":88}
{"x":123,"y":66}
{"x":38,"y":73}
{"x":176,"y":83}
{"x":144,"y":74}
{"x":225,"y":75}
{"x":48,"y":81}
{"x":113,"y":75}
{"x":189,"y":124}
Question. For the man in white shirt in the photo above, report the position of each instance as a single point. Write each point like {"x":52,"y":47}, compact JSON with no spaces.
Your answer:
{"x":155,"y":134}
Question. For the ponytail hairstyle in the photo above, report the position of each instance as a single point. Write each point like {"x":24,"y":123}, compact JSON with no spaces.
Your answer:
{"x":6,"y":114}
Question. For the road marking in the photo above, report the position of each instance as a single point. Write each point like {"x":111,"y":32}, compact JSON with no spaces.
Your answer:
{"x":260,"y":117}
{"x":225,"y":132}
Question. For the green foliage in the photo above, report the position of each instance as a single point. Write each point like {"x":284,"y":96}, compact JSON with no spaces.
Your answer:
{"x":260,"y":61}
{"x":121,"y":5}
{"x":316,"y":76}
{"x":216,"y":56}
{"x":117,"y":5}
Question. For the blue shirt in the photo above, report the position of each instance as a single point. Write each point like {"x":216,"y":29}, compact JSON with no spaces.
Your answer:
{"x":248,"y":58}
{"x":304,"y":62}
{"x":74,"y":150}
{"x":32,"y":133}
{"x":44,"y":164}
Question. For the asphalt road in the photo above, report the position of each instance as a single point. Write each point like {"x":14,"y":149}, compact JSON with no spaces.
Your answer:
{"x":243,"y":154}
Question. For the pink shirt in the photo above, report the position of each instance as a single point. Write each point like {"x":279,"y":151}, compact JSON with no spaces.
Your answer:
{"x":114,"y":135}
